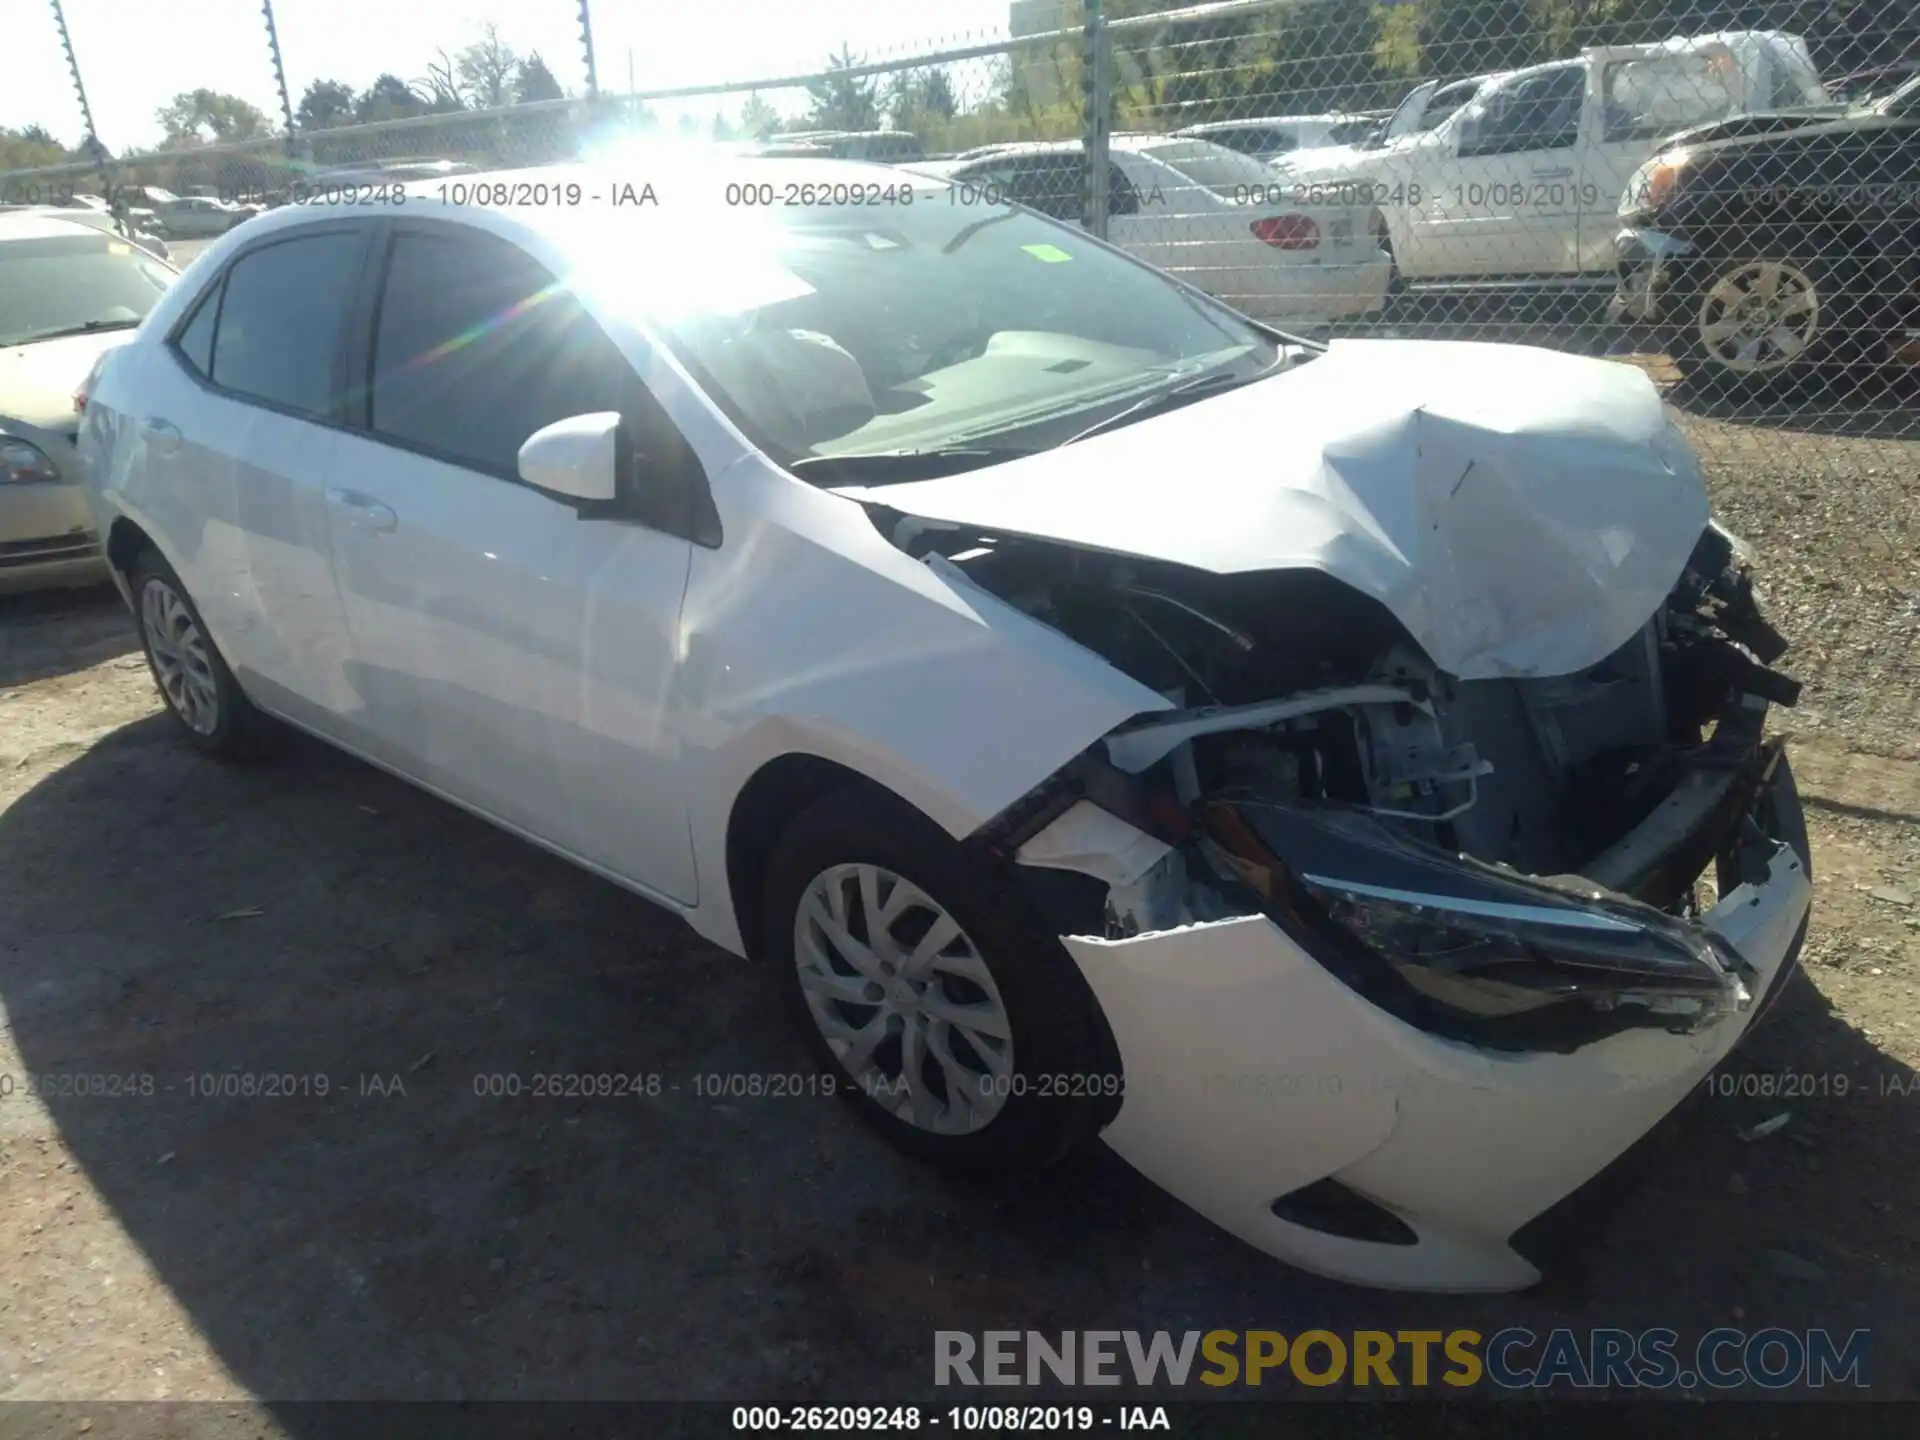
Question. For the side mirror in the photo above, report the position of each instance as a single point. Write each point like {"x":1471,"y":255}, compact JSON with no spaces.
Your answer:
{"x":578,"y":458}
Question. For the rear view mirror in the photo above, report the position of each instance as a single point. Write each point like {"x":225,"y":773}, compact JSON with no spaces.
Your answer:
{"x":578,"y":458}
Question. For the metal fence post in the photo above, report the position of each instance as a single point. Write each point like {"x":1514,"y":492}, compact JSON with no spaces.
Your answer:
{"x":586,"y":43}
{"x":1095,"y":112}
{"x":280,"y":76}
{"x":94,"y":147}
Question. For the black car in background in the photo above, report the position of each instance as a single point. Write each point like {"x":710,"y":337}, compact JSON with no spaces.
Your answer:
{"x":1779,"y":249}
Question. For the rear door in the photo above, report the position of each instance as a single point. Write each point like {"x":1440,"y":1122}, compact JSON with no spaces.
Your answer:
{"x":508,"y":650}
{"x":243,"y":424}
{"x":1499,"y":184}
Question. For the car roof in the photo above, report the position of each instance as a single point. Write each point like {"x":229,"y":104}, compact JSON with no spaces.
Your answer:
{"x":42,"y":224}
{"x":1213,"y":126}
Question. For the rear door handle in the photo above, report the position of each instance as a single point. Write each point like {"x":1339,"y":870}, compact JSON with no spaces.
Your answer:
{"x":364,"y":512}
{"x":162,"y":434}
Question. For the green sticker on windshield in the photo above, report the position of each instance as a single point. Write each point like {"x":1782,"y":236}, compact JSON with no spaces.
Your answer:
{"x":1052,"y":254}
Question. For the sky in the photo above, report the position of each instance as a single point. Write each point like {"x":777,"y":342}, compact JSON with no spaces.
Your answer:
{"x":135,"y":56}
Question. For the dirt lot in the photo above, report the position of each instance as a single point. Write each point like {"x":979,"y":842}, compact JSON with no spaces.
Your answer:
{"x":402,"y":1236}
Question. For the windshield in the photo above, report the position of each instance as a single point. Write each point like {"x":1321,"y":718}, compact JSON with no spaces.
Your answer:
{"x":1215,"y":167}
{"x":856,"y":330}
{"x":56,"y":286}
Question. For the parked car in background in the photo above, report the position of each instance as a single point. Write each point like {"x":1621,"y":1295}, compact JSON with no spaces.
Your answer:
{"x":1524,"y":178}
{"x":98,"y":218}
{"x":1775,"y":252}
{"x":1277,"y":135}
{"x":885,"y":146}
{"x":69,"y":292}
{"x":1218,"y":219}
{"x":1046,"y":672}
{"x":1862,"y":86}
{"x":196,"y":217}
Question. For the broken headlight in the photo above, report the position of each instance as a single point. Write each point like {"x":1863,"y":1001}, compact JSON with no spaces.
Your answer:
{"x":1472,"y":950}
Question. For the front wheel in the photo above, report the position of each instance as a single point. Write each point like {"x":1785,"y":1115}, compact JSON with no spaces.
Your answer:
{"x":921,"y":980}
{"x":1767,"y":322}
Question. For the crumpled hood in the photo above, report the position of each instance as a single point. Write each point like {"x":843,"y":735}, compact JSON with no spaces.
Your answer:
{"x":1521,"y":512}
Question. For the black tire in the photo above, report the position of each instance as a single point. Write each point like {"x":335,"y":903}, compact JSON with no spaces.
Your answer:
{"x":1058,"y":1092}
{"x":1835,"y":343}
{"x":229,"y":726}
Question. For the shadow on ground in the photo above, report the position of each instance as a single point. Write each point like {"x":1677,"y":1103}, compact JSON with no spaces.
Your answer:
{"x":45,"y":633}
{"x":410,"y":1234}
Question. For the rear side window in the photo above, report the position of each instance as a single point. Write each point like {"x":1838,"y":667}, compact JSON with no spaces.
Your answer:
{"x":477,"y":347}
{"x":279,"y":322}
{"x":196,"y":341}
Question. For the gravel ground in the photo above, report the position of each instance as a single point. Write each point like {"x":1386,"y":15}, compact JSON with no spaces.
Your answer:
{"x":403,"y":1236}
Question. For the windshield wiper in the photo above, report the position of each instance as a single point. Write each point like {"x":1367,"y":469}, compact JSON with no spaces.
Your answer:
{"x":892,"y":467}
{"x":92,"y":327}
{"x":1174,"y":396}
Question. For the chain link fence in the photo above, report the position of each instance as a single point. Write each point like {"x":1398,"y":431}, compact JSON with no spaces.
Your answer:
{"x":1724,"y":194}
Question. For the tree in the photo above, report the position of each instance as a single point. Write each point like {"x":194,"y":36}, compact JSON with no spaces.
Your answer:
{"x":32,"y":145}
{"x":326,"y":103}
{"x":920,"y":95}
{"x":534,"y":81}
{"x":758,"y":119}
{"x":387,"y":98}
{"x":200,"y":115}
{"x":440,"y":86}
{"x":486,"y":70}
{"x":841,"y":101}
{"x":721,"y":129}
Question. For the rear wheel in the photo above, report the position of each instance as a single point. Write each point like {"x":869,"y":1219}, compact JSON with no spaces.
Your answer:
{"x":921,"y":980}
{"x":199,"y":690}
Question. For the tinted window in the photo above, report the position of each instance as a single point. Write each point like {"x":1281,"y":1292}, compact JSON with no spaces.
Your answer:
{"x":477,"y":347}
{"x":280,"y":321}
{"x":196,"y":341}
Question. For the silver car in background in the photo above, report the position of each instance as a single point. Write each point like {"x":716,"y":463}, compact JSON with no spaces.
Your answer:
{"x":68,"y":293}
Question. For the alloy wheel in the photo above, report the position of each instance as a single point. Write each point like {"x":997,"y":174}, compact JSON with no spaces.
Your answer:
{"x":181,"y":662}
{"x":903,"y":1000}
{"x":1759,"y":317}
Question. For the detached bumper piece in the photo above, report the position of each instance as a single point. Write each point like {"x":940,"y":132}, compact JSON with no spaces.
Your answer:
{"x":1643,"y":263}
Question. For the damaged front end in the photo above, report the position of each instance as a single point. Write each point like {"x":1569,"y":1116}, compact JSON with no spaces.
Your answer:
{"x":1521,"y":865}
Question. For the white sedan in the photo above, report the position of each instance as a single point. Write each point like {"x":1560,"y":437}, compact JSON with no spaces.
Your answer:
{"x":1099,"y":716}
{"x":1218,"y":219}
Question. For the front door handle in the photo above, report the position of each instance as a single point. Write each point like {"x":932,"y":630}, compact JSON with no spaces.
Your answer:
{"x":162,"y":434}
{"x":364,"y":512}
{"x":1564,"y":173}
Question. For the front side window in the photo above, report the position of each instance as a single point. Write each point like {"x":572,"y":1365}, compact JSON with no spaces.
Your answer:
{"x":279,"y":325}
{"x":70,"y":285}
{"x":477,"y":347}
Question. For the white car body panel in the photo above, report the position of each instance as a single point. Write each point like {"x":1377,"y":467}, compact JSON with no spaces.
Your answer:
{"x":1435,"y":477}
{"x":1251,"y":1072}
{"x":612,"y":692}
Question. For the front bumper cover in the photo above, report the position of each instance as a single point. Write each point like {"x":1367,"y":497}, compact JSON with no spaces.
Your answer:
{"x":1252,"y":1072}
{"x":1644,"y":262}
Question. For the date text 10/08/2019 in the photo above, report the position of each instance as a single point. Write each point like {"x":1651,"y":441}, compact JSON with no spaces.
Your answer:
{"x":996,"y":1419}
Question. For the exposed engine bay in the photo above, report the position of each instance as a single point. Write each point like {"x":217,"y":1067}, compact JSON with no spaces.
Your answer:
{"x":1512,"y":862}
